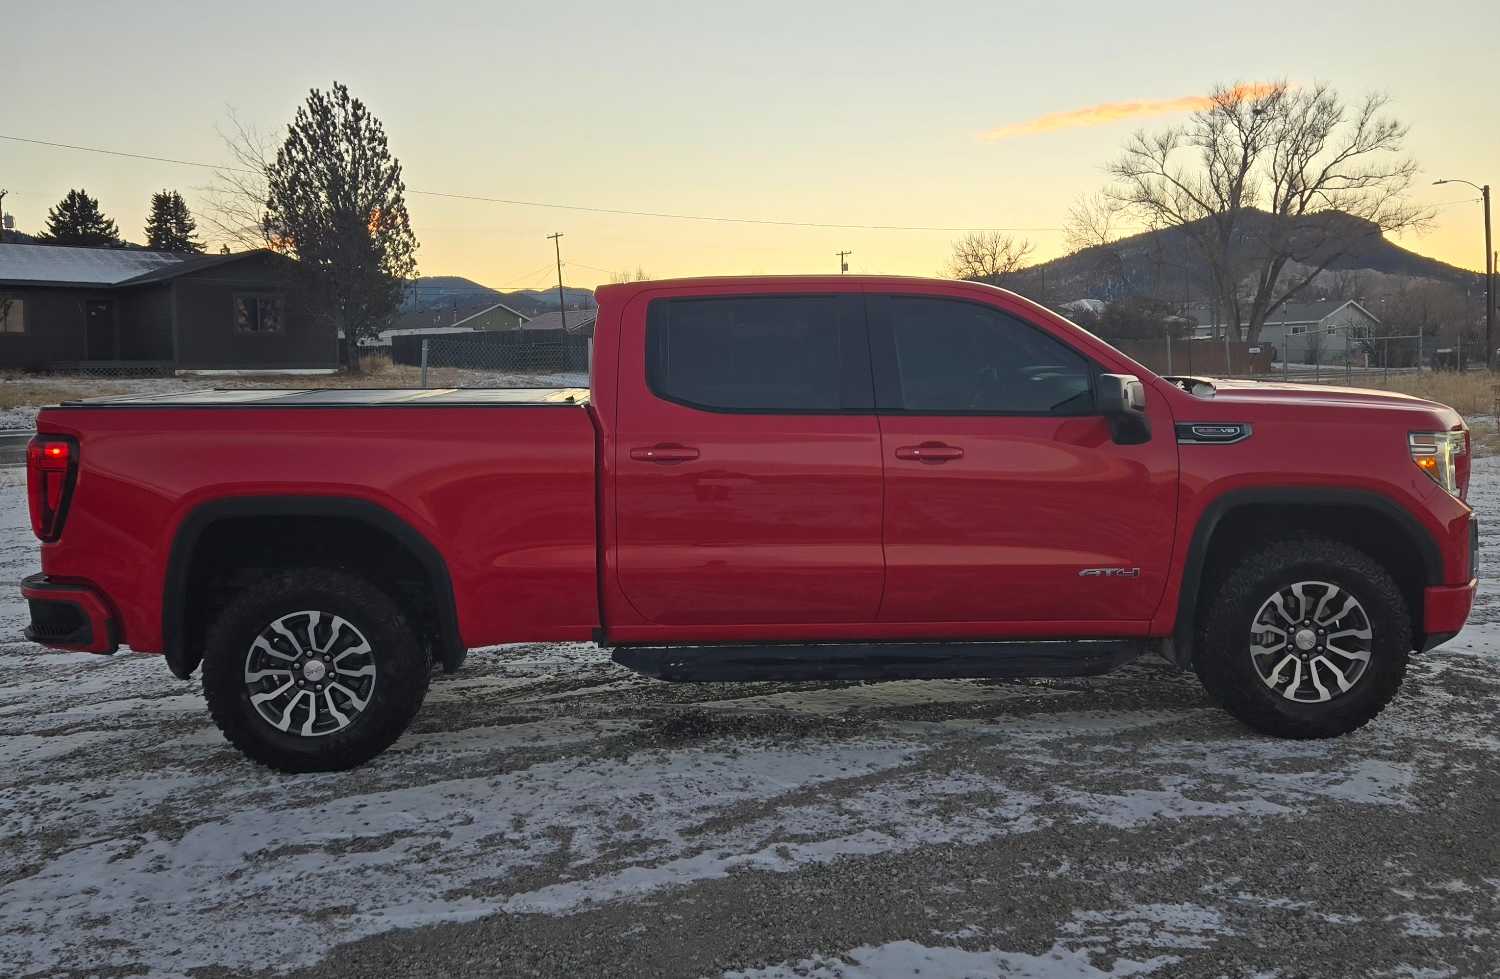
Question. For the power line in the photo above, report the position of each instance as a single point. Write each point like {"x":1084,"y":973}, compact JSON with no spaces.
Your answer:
{"x":627,"y":212}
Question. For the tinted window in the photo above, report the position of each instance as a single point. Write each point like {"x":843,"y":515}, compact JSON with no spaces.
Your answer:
{"x":958,"y":356}
{"x":760,"y":353}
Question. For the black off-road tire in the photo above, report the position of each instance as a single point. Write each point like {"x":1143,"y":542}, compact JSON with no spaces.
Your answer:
{"x":403,"y":668}
{"x":1223,"y":660}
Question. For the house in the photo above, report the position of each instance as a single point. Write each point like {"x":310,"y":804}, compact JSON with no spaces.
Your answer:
{"x":71,"y":308}
{"x":1327,"y":331}
{"x":580,"y":322}
{"x":496,"y":317}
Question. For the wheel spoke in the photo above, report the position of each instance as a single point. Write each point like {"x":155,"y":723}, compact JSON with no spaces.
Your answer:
{"x":1357,"y":655}
{"x":255,"y":676}
{"x":1339,"y":675}
{"x":354,"y":700}
{"x":333,"y":708}
{"x":1290,"y":693}
{"x":1317,"y":682}
{"x":261,"y":698}
{"x":1275,"y":677}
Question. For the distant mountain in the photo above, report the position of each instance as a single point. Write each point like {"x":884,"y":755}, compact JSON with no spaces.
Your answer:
{"x":454,"y":297}
{"x":547,"y":298}
{"x":1166,"y":264}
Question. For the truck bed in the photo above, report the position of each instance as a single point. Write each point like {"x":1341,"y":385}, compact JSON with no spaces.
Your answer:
{"x":341,"y":398}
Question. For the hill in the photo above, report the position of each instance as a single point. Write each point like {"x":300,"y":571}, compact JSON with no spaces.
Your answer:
{"x":1165,"y":263}
{"x":454,"y":294}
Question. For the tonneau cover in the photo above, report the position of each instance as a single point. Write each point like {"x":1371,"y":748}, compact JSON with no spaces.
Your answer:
{"x":342,"y":398}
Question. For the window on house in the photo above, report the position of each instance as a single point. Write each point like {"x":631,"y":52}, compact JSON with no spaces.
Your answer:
{"x":12,"y":315}
{"x":1296,"y":330}
{"x":257,"y":313}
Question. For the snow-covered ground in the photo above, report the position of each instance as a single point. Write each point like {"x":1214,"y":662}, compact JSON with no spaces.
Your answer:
{"x":553,"y":814}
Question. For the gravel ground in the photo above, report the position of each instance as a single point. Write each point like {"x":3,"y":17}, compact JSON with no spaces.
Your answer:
{"x":552,"y":814}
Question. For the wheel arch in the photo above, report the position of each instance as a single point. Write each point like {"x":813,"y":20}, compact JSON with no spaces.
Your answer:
{"x":1227,"y":527}
{"x":183,"y":655}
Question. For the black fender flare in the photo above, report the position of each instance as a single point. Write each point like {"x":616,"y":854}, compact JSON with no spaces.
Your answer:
{"x":182,"y":661}
{"x":1227,"y":503}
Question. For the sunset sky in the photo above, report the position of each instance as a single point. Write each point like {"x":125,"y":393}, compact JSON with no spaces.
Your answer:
{"x":972,"y":116}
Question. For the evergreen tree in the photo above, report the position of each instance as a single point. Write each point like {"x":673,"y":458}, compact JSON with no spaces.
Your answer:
{"x":337,"y":204}
{"x":171,"y":227}
{"x":77,"y":220}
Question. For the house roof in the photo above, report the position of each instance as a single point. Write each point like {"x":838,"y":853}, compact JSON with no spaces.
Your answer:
{"x":579,"y":321}
{"x":62,"y":265}
{"x":1314,"y":312}
{"x":521,"y":317}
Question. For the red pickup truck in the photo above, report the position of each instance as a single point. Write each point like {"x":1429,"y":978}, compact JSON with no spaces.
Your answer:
{"x":770,"y":478}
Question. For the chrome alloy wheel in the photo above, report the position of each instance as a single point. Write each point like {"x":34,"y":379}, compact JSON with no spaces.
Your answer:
{"x":1311,"y":641}
{"x":310,"y":673}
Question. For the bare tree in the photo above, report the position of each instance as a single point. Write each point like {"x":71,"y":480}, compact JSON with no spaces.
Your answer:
{"x":988,"y":256}
{"x":639,"y":275}
{"x":236,"y":200}
{"x":1346,"y":284}
{"x":1271,"y":185}
{"x":1092,"y":222}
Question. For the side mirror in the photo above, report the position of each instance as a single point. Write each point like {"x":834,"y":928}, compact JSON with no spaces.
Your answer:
{"x":1122,"y":399}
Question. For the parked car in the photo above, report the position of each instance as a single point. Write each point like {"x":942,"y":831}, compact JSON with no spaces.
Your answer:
{"x":770,"y":478}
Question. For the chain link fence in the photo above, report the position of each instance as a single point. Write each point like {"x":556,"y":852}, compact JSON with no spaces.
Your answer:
{"x":511,"y":358}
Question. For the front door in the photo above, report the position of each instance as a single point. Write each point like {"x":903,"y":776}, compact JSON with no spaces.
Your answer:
{"x":1007,"y":499}
{"x":747,"y":462}
{"x":101,"y":340}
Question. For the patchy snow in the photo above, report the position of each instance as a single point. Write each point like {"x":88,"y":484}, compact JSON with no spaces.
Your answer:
{"x":901,"y":960}
{"x":544,"y":783}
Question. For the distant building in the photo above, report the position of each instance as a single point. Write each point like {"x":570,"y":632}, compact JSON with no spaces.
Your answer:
{"x":496,"y":317}
{"x":70,"y":308}
{"x":1322,"y":330}
{"x":580,"y":322}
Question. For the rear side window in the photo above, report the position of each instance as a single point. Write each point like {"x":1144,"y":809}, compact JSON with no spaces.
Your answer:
{"x":950,"y":356}
{"x":759,"y":353}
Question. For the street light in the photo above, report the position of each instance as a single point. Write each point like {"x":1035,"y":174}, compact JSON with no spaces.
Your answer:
{"x":1489,"y":273}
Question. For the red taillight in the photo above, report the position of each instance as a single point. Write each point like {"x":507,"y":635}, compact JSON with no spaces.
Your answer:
{"x":51,"y":467}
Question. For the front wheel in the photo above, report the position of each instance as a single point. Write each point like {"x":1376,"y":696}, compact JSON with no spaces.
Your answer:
{"x":313,"y":670}
{"x":1305,"y":638}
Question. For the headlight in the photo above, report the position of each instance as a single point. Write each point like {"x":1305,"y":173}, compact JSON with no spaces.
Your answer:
{"x":1437,"y":455}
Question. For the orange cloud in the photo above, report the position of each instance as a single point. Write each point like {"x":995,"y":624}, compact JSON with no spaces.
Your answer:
{"x":1106,"y":112}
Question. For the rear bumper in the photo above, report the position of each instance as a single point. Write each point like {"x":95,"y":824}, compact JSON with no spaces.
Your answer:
{"x":68,"y":616}
{"x":1445,"y":609}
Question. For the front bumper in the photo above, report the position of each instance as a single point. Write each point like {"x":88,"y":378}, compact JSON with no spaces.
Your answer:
{"x":1445,"y":609}
{"x":68,"y":616}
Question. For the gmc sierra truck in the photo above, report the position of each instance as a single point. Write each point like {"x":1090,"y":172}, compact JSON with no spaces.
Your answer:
{"x":769,"y":478}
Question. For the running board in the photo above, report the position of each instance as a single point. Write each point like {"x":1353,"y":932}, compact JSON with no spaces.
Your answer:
{"x":878,"y":661}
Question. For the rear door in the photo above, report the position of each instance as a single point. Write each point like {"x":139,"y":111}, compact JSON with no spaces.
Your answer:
{"x":1007,"y":499}
{"x":748,"y":472}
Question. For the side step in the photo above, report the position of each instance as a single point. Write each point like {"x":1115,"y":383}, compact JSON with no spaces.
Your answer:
{"x":878,"y":661}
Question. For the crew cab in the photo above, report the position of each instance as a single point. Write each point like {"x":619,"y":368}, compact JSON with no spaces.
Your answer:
{"x":770,"y":478}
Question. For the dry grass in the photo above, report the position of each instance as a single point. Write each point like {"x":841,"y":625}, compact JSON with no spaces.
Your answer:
{"x":16,"y":393}
{"x":1469,"y":393}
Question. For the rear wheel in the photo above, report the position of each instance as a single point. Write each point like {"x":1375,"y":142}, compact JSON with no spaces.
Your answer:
{"x":313,"y":670}
{"x":1305,"y":638}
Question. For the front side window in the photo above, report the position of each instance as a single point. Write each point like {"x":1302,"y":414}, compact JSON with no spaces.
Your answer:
{"x":960,"y":357}
{"x":12,"y":315}
{"x":756,"y":353}
{"x":257,"y":313}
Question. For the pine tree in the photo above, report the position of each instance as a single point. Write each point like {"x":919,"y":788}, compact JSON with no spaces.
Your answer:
{"x":336,"y":203}
{"x":77,"y":220}
{"x":171,"y":227}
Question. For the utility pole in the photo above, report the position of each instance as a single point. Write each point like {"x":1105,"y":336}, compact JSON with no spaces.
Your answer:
{"x":1489,"y":272}
{"x":562,"y":306}
{"x":843,"y":262}
{"x":2,"y":215}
